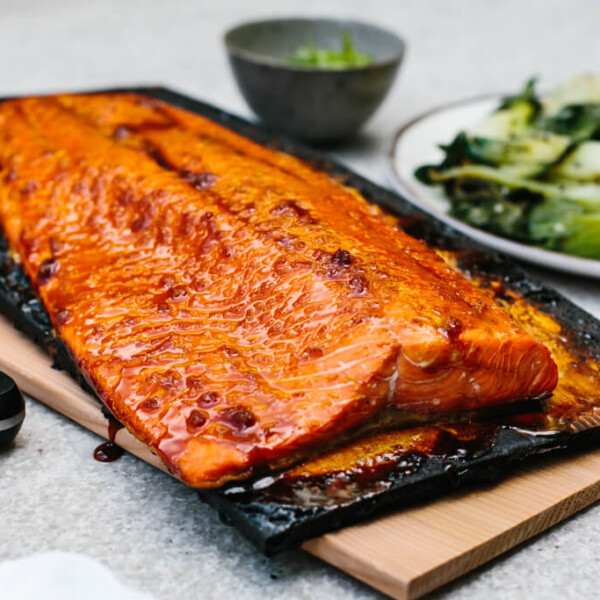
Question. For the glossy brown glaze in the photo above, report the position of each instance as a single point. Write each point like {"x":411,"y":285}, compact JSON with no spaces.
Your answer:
{"x":370,"y":466}
{"x":234,"y":308}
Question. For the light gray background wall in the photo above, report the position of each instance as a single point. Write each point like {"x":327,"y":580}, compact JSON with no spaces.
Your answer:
{"x":150,"y":530}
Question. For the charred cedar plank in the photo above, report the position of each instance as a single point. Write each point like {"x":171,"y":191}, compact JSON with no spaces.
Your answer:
{"x":270,"y":519}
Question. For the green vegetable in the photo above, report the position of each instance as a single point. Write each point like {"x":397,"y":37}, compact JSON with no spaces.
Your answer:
{"x":347,"y":57}
{"x":531,"y":170}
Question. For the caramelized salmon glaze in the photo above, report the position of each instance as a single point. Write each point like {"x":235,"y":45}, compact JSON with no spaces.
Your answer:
{"x":234,"y":308}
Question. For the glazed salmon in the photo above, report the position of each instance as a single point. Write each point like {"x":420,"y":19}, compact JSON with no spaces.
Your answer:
{"x":236,"y":309}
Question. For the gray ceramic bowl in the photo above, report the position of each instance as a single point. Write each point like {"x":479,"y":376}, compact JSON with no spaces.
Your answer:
{"x":317,"y":105}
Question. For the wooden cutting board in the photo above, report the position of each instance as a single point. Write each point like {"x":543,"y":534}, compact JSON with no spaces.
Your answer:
{"x":404,"y":555}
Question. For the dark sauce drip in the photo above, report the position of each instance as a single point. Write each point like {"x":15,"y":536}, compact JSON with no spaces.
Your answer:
{"x":455,"y":444}
{"x":109,"y":451}
{"x":341,"y":258}
{"x":335,"y":488}
{"x":452,"y":447}
{"x":47,"y":270}
{"x":531,"y":421}
{"x":239,"y":418}
{"x":200,"y":181}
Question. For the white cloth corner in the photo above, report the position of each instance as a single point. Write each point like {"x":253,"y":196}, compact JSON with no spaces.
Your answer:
{"x":61,"y":576}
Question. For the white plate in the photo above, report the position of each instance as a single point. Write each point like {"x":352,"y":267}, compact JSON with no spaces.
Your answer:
{"x":417,"y":143}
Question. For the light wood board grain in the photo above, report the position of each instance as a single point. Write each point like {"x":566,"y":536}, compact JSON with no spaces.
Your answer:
{"x":405,"y":554}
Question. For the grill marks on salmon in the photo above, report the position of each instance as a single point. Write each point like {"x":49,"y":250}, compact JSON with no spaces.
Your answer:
{"x":233,"y":307}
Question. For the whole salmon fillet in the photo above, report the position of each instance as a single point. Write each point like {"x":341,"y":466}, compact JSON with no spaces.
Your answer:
{"x":235,"y":308}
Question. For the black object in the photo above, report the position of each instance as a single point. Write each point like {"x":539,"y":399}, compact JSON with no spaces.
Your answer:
{"x":317,"y":105}
{"x":12,"y":410}
{"x":287,"y":510}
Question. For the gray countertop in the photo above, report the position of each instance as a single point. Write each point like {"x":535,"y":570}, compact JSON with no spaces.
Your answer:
{"x":150,"y":530}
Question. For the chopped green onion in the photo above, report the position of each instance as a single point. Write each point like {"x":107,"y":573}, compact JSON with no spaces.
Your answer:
{"x":347,"y":57}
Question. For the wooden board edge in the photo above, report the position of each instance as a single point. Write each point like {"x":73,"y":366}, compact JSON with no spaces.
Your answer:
{"x":336,"y":553}
{"x":76,"y":405}
{"x":402,"y":586}
{"x":479,"y":555}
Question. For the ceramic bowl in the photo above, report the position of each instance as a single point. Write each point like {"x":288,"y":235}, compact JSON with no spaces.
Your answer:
{"x":317,"y":105}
